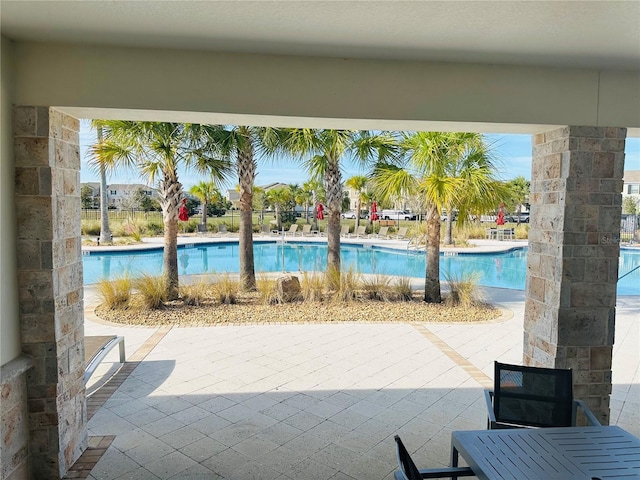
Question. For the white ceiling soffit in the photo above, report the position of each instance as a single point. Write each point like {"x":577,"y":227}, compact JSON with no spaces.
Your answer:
{"x":583,"y":34}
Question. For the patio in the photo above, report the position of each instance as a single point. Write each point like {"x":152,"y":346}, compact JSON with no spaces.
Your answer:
{"x":313,"y":401}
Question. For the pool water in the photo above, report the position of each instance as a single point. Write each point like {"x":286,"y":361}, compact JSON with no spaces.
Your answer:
{"x":504,"y":270}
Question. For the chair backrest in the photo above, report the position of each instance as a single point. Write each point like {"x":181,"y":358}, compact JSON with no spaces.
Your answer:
{"x":402,"y":231}
{"x":265,"y":229}
{"x":407,"y":467}
{"x":362,"y":229}
{"x":222,"y":228}
{"x":533,"y":396}
{"x":383,"y":230}
{"x":306,"y":228}
{"x":293,"y":228}
{"x":345,"y":230}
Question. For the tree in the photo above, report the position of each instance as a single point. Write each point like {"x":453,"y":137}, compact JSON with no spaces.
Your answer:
{"x":144,"y":202}
{"x":518,"y":194}
{"x":449,"y":170}
{"x":205,"y":192}
{"x":239,"y":144}
{"x":156,"y":149}
{"x":86,"y":197}
{"x":630,"y":205}
{"x":359,"y":184}
{"x":314,"y":187}
{"x":321,"y":152}
{"x":278,"y":198}
{"x":101,"y":165}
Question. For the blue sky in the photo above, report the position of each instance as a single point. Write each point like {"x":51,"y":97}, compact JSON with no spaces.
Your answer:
{"x":512,"y":152}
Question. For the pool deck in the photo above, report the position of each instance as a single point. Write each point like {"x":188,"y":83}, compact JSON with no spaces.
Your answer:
{"x":310,"y":401}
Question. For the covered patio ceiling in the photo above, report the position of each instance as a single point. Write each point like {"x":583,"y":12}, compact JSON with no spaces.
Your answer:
{"x":566,"y":34}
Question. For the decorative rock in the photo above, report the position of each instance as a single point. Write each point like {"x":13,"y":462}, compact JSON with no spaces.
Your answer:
{"x":288,"y":288}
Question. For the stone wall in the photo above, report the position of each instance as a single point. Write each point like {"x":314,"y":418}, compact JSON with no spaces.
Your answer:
{"x":573,"y":256}
{"x":47,"y":171}
{"x":14,"y":425}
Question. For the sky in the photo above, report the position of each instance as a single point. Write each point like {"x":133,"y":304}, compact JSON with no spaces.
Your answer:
{"x":512,"y":153}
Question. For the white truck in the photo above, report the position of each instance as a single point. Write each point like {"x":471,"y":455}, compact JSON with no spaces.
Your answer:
{"x":396,"y":215}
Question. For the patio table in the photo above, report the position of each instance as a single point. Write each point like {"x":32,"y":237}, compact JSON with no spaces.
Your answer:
{"x":584,"y":453}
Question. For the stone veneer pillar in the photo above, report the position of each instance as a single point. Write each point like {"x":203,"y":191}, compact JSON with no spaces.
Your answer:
{"x":47,"y":174}
{"x":572,"y":266}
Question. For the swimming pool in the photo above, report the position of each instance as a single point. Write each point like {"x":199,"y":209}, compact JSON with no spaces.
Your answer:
{"x":505,"y":270}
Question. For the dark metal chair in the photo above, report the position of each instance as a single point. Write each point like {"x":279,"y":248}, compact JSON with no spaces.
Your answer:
{"x":533,"y":397}
{"x":408,"y":470}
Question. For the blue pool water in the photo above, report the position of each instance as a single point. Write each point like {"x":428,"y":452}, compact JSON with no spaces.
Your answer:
{"x":505,"y":270}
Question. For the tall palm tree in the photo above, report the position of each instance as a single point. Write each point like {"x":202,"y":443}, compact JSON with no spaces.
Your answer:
{"x":99,"y":165}
{"x":242,"y":145}
{"x":321,"y":151}
{"x":314,"y":187}
{"x":359,"y":184}
{"x":450,"y":171}
{"x":207,"y":193}
{"x":278,"y":198}
{"x":518,"y":193}
{"x":157,"y":149}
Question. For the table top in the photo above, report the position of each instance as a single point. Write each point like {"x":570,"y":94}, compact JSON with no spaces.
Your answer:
{"x":584,"y":453}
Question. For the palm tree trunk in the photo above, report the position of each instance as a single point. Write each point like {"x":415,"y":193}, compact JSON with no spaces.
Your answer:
{"x":358,"y":207}
{"x":170,"y":191}
{"x":333,"y":186}
{"x":314,"y":223}
{"x":432,"y":280}
{"x":204,"y":212}
{"x":246,"y":166}
{"x":105,"y":232}
{"x":448,"y":236}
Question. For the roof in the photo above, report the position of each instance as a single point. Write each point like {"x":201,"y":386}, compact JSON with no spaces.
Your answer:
{"x":631,"y":176}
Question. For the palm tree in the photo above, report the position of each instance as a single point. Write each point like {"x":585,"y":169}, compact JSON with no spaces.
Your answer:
{"x":156,"y":149}
{"x":239,"y":144}
{"x":449,"y":170}
{"x":97,"y":163}
{"x":321,"y":152}
{"x":314,"y":187}
{"x":279,"y":198}
{"x":207,"y":193}
{"x":359,"y":184}
{"x":518,"y":193}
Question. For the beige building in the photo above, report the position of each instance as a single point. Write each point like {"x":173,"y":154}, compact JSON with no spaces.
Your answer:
{"x":568,"y":73}
{"x":120,"y":195}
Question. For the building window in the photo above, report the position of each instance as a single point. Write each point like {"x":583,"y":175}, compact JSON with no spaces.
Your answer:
{"x":113,"y":192}
{"x":634,"y":189}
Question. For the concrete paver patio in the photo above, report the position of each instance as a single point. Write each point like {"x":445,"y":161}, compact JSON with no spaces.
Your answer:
{"x":316,"y":401}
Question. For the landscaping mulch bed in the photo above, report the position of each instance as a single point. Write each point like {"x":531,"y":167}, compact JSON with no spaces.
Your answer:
{"x":249,"y":310}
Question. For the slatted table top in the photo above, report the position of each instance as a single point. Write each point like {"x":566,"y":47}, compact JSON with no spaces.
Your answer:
{"x":583,"y":453}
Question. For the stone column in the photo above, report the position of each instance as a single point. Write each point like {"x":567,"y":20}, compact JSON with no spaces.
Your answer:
{"x":47,"y":174}
{"x":572,"y":266}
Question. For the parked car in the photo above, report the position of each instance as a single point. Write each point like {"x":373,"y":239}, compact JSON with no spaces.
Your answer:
{"x":524,"y":218}
{"x":397,"y":215}
{"x":352,"y":214}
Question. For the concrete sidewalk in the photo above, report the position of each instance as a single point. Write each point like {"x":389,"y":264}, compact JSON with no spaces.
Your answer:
{"x":315,"y":401}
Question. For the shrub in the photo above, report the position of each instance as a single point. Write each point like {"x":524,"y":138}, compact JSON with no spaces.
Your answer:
{"x":267,"y":290}
{"x":402,"y":289}
{"x":345,"y":285}
{"x":90,"y":228}
{"x":312,"y":287}
{"x":376,"y":287}
{"x":195,"y":294}
{"x":154,"y":228}
{"x":522,"y":231}
{"x":115,"y":293}
{"x":463,"y":288}
{"x":226,"y":289}
{"x":152,"y":290}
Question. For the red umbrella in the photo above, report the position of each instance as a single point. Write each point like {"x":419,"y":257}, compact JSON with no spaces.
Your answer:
{"x":183,"y":213}
{"x":374,"y":211}
{"x":500,"y":219}
{"x":320,"y":209}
